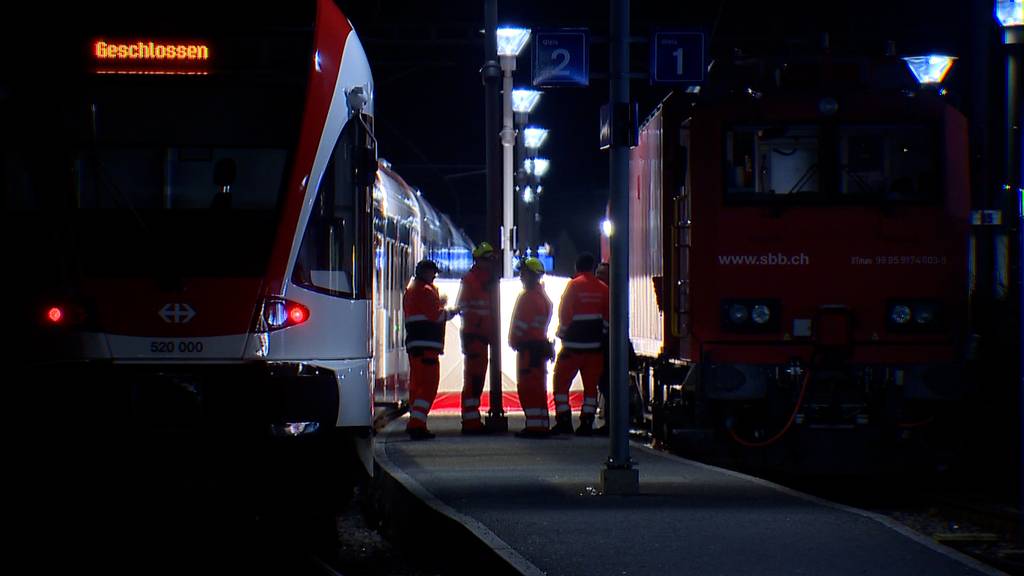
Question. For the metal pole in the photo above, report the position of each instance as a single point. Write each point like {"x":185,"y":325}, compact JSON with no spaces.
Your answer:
{"x":491,"y":72}
{"x":619,"y":476}
{"x":508,"y":141}
{"x":1013,"y":183}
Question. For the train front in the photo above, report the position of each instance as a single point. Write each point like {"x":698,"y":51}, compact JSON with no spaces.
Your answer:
{"x":193,"y":184}
{"x":834,"y":280}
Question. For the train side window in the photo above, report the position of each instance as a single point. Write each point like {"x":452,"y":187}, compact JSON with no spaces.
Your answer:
{"x":327,"y":255}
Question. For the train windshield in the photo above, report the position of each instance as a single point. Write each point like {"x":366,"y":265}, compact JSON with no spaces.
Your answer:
{"x":802,"y":164}
{"x":161,"y":152}
{"x":893,"y":163}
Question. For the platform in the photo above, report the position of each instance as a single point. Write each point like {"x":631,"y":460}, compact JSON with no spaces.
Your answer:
{"x":512,"y":505}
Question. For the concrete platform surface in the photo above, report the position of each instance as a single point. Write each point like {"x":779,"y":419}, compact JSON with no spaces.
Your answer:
{"x":537,"y":504}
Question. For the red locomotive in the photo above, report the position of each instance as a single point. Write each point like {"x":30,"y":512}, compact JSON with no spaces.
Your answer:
{"x":799,"y":269}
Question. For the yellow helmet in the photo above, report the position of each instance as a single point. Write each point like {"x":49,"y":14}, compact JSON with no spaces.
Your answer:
{"x":534,"y":265}
{"x":483,"y":250}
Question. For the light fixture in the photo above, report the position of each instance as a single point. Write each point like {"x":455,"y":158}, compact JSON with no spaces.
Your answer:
{"x":606,"y":228}
{"x":1010,"y":12}
{"x":524,"y":100}
{"x":929,"y":69}
{"x":533,"y":137}
{"x":540,"y":166}
{"x":511,"y":40}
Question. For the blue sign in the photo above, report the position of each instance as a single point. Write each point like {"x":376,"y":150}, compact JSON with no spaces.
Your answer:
{"x":678,"y":58}
{"x":561,"y":57}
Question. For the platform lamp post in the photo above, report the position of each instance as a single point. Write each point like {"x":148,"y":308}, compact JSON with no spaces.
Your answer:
{"x":535,"y":169}
{"x":533,"y":139}
{"x":1010,"y":14}
{"x":523,"y":102}
{"x":510,"y":43}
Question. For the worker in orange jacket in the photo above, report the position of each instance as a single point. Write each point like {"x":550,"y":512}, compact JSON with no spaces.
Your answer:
{"x":528,"y":337}
{"x":476,"y":303}
{"x":425,"y":318}
{"x":583,"y":328}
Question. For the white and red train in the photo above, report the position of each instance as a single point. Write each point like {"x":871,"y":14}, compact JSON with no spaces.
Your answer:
{"x":799,"y":264}
{"x":213,"y":234}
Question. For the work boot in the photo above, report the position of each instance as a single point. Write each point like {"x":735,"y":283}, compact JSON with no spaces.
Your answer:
{"x":601,"y":430}
{"x":586,"y":428}
{"x":420,"y":434}
{"x":563,"y":423}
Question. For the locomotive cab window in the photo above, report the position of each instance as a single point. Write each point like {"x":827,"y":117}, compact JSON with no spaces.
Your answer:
{"x":889,"y":163}
{"x":772,"y":161}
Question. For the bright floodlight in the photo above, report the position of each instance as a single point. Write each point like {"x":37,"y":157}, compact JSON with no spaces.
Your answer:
{"x":929,"y":69}
{"x":534,"y":137}
{"x":528,"y":195}
{"x":512,"y":40}
{"x":540,"y":166}
{"x":607,"y":228}
{"x":523,"y":100}
{"x":1010,"y":12}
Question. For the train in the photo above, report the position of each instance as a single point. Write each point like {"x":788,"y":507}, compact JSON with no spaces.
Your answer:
{"x":208,"y":235}
{"x":800,"y":269}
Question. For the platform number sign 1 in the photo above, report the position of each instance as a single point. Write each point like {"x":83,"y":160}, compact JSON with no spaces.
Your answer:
{"x":561,"y":57}
{"x":678,"y":57}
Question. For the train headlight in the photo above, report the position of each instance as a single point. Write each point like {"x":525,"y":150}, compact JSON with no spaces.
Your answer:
{"x":752,"y":316}
{"x":276,"y":314}
{"x":924,"y":315}
{"x":761,"y":314}
{"x":279,"y":313}
{"x":900,"y":314}
{"x":914,"y":316}
{"x":738,"y":313}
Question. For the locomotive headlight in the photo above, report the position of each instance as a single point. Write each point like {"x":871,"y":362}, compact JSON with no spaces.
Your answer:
{"x":761,"y":314}
{"x":900,"y":314}
{"x":738,"y":313}
{"x":924,"y":315}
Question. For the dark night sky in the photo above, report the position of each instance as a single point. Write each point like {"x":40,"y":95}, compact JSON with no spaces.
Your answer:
{"x":426,"y":58}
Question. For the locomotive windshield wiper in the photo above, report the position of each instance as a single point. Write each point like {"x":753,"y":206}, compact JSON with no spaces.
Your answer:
{"x":811,"y":170}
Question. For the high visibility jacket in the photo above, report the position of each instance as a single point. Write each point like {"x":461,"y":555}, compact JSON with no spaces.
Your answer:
{"x":530,"y":318}
{"x":583,"y":313}
{"x":425,"y":316}
{"x":475,"y":302}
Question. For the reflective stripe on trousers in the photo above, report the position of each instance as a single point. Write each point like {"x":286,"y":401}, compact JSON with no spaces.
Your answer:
{"x":590,"y":365}
{"x":424,"y":375}
{"x":532,"y":388}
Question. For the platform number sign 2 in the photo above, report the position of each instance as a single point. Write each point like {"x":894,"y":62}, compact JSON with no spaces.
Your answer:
{"x":560,"y":57}
{"x":678,"y":58}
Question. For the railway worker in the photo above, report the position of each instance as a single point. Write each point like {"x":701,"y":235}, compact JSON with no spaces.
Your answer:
{"x":425,"y":318}
{"x":583,"y":328}
{"x":602,"y":385}
{"x":475,"y":302}
{"x":528,"y":337}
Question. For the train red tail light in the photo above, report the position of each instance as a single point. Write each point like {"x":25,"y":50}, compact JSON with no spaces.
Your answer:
{"x":55,"y":315}
{"x":280,"y":313}
{"x":63,"y":315}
